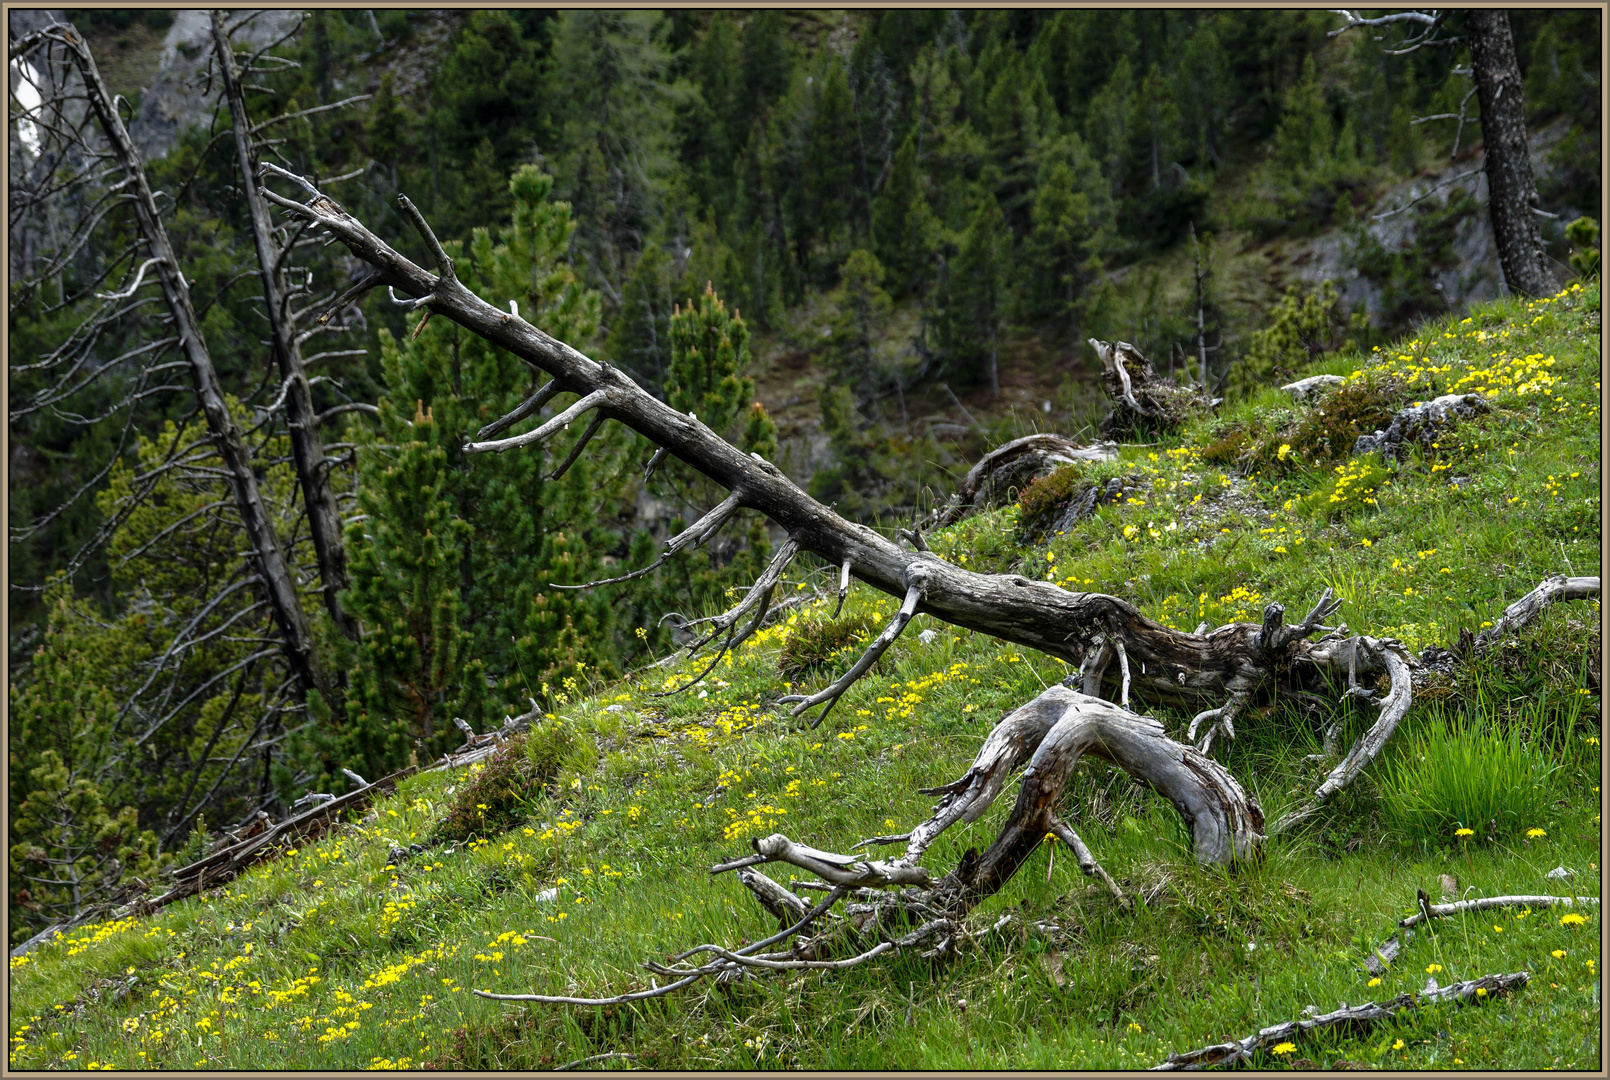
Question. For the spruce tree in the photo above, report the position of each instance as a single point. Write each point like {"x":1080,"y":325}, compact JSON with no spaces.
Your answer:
{"x":904,"y":228}
{"x":454,"y":555}
{"x":71,"y":844}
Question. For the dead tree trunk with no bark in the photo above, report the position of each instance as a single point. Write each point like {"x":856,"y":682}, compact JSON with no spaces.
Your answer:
{"x":312,"y":467}
{"x":267,"y":556}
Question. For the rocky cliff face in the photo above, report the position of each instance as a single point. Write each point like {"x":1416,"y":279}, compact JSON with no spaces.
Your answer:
{"x":1474,"y":274}
{"x":179,"y":98}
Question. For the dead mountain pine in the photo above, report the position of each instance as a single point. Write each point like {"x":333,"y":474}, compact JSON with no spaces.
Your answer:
{"x":1118,"y":651}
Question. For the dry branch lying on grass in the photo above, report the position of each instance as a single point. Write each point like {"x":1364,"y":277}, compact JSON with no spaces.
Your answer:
{"x":1487,"y":903}
{"x":1224,"y":1055}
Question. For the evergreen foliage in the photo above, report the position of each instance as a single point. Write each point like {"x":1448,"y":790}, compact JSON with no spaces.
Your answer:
{"x":454,"y":555}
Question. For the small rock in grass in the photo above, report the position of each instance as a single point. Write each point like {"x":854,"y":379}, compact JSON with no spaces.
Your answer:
{"x":1560,"y":873}
{"x":927,"y":636}
{"x":547,"y":896}
{"x":1312,"y":387}
{"x":616,"y":708}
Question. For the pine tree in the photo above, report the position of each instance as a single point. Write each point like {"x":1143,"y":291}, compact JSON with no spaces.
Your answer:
{"x":709,"y":378}
{"x":1205,"y":90}
{"x":484,"y":117}
{"x":829,"y":176}
{"x":612,"y":108}
{"x":863,"y":313}
{"x":1108,"y":124}
{"x":905,"y":232}
{"x":974,"y":305}
{"x":640,"y":331}
{"x":1072,"y":218}
{"x":453,"y":559}
{"x":1019,"y":115}
{"x":70,"y":847}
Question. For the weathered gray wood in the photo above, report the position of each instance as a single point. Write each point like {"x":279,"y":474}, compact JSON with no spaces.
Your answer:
{"x":1488,"y":903}
{"x":307,"y":448}
{"x":1228,"y":1054}
{"x":1028,"y":455}
{"x":267,"y":557}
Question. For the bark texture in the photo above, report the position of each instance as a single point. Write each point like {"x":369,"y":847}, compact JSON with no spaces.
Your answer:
{"x":312,"y":467}
{"x":1511,"y":190}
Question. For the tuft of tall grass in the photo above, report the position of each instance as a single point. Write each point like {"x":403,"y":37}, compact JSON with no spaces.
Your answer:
{"x":1455,"y":773}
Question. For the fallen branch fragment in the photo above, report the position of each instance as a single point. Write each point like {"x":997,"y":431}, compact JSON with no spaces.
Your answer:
{"x":1532,"y":604}
{"x":1487,"y":903}
{"x":1231,"y":1053}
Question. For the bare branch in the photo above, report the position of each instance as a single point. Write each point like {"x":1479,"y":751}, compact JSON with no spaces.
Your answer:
{"x":693,"y":536}
{"x":526,"y":408}
{"x":879,"y":646}
{"x":581,"y":444}
{"x":543,"y":433}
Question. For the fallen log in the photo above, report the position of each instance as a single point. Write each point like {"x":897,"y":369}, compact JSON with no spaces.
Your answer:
{"x":1488,"y":903}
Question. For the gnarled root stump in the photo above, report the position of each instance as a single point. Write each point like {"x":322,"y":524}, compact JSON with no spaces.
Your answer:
{"x":1050,"y":734}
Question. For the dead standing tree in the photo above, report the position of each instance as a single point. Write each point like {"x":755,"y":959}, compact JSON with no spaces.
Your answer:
{"x":267,"y":555}
{"x":1117,"y":649}
{"x":119,"y":272}
{"x":312,"y":466}
{"x":1511,"y":191}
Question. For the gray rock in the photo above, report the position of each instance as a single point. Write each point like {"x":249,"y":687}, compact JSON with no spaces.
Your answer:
{"x":1312,"y":387}
{"x":1560,"y":873}
{"x":1420,"y":423}
{"x":176,"y":99}
{"x":927,"y":636}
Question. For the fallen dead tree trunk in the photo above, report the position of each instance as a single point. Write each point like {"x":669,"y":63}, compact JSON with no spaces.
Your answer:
{"x":1117,"y":650}
{"x":1229,"y":1054}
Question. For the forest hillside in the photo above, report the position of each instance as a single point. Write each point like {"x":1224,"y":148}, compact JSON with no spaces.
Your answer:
{"x":579,"y":851}
{"x":288,"y":560}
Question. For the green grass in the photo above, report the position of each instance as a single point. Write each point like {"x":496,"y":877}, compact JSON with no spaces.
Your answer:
{"x":332,"y":958}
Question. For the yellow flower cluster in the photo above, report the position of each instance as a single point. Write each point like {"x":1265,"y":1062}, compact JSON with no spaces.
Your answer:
{"x":758,"y":819}
{"x":911,"y":695}
{"x":1517,"y":375}
{"x":1351,"y":481}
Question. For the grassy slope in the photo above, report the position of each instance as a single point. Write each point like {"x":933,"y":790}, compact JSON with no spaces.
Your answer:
{"x":327,"y":958}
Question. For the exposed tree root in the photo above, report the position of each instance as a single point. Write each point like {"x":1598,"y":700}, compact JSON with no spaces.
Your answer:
{"x":1229,"y":1054}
